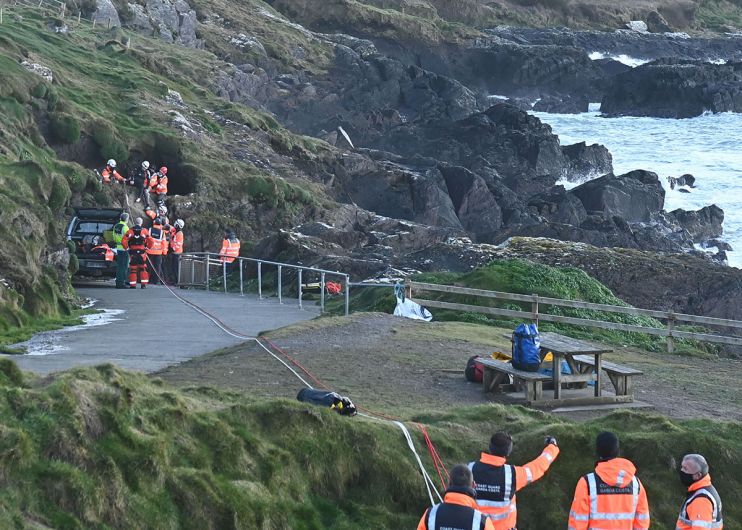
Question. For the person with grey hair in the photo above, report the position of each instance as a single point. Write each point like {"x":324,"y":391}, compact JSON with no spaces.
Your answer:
{"x":702,"y":506}
{"x":458,"y":511}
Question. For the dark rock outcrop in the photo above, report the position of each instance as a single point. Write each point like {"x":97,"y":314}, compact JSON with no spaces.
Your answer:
{"x":558,"y":206}
{"x":587,"y":160}
{"x":675,"y":89}
{"x":656,"y":23}
{"x":634,"y":196}
{"x":562,"y":105}
{"x":703,"y":224}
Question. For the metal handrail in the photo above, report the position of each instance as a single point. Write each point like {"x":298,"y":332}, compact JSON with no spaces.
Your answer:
{"x":215,"y":259}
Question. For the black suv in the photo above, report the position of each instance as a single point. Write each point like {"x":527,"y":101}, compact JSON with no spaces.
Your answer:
{"x":84,"y":226}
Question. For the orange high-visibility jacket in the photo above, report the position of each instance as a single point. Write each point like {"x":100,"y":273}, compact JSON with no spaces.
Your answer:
{"x":136,"y":239}
{"x":103,"y":249}
{"x":702,"y":507}
{"x":450,"y":515}
{"x":158,"y":183}
{"x":230,"y":250}
{"x":176,"y":242}
{"x":156,"y":240}
{"x":497,"y":482}
{"x":109,"y":172}
{"x":611,"y":498}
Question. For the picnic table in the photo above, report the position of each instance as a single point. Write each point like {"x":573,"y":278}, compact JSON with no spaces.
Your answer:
{"x":585,"y":363}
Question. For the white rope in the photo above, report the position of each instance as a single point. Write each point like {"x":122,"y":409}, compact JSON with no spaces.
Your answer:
{"x":429,"y":484}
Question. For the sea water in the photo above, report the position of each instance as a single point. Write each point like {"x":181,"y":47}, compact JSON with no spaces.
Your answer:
{"x":709,"y":147}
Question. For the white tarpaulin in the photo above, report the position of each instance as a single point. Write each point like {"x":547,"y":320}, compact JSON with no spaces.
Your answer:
{"x":409,"y":309}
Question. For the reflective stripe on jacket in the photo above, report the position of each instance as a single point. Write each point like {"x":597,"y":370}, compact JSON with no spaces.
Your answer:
{"x":457,"y":512}
{"x":611,"y":498}
{"x":176,"y":242}
{"x":157,"y":240}
{"x":702,"y":507}
{"x":230,"y":250}
{"x":497,"y":482}
{"x":119,"y":231}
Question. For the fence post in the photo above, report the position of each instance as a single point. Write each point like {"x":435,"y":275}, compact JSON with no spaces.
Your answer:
{"x":242,"y":288}
{"x":180,"y":266}
{"x":534,"y":308}
{"x":322,"y":293}
{"x":347,"y":295}
{"x":408,"y":288}
{"x":670,"y":338}
{"x":79,"y":17}
{"x":280,"y":287}
{"x":224,"y":274}
{"x":299,"y":276}
{"x":260,"y":280}
{"x":208,"y":269}
{"x":94,"y":22}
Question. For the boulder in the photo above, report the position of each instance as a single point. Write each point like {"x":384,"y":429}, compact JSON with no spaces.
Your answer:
{"x":104,"y":12}
{"x":473,"y":202}
{"x":558,"y":206}
{"x":675,"y":89}
{"x":587,"y":161}
{"x":684,"y":180}
{"x":656,"y":23}
{"x":637,"y":25}
{"x":562,"y":104}
{"x":702,"y":225}
{"x":634,"y":196}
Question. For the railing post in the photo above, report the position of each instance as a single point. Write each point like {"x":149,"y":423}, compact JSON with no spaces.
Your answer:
{"x":260,"y":280}
{"x":670,"y":338}
{"x":408,"y":288}
{"x":208,"y":267}
{"x":347,"y":295}
{"x":280,"y":288}
{"x":534,"y":308}
{"x":180,"y":267}
{"x":224,"y":274}
{"x":242,"y":284}
{"x":299,"y":276}
{"x":322,"y":293}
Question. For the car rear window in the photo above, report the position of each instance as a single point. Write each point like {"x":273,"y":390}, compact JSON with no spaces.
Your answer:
{"x":92,"y":227}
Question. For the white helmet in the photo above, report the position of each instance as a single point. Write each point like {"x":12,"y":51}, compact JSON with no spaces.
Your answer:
{"x":112,"y":163}
{"x":162,"y":209}
{"x":145,"y":165}
{"x":179,"y":223}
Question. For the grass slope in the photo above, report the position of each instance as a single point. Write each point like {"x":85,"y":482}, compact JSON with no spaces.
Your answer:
{"x":103,"y":448}
{"x":526,"y":277}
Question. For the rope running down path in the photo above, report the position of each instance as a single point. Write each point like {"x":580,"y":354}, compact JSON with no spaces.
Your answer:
{"x":429,"y":484}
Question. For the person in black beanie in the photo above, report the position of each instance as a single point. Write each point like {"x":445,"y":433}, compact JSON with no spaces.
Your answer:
{"x":611,"y":497}
{"x":497,"y":482}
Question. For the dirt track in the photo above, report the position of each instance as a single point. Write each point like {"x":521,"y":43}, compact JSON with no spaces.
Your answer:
{"x":395,"y":364}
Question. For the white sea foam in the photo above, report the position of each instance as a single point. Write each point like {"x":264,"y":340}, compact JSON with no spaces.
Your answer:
{"x":707,"y":146}
{"x":633,"y":62}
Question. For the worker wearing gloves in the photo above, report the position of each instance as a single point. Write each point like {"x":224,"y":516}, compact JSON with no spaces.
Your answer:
{"x":611,"y":497}
{"x":122,"y":256}
{"x":497,"y":482}
{"x":702,"y":506}
{"x":136,"y":241}
{"x":459,"y":508}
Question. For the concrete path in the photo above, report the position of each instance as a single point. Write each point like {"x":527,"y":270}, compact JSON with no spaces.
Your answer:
{"x":147,"y":330}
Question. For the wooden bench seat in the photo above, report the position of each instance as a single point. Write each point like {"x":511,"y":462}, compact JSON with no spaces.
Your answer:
{"x":620,"y":376}
{"x":496,"y":372}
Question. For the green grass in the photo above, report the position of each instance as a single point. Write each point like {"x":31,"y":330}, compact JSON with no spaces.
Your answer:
{"x":104,"y":448}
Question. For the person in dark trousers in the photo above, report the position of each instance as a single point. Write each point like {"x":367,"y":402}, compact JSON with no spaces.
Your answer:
{"x":458,"y":511}
{"x":122,"y":256}
{"x":155,"y":250}
{"x":141,"y":182}
{"x":176,"y":249}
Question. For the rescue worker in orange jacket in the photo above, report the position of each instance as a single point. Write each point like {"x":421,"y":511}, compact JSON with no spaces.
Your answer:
{"x":459,"y":510}
{"x":702,"y":506}
{"x":136,"y":242}
{"x":109,"y":172}
{"x":155,"y":249}
{"x":158,"y":185}
{"x":230,"y":247}
{"x":611,"y":497}
{"x":176,"y":249}
{"x":497,"y":481}
{"x":99,"y":247}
